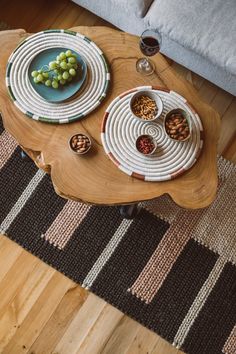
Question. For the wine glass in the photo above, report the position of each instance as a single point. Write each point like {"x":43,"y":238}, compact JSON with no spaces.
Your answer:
{"x":150,"y":43}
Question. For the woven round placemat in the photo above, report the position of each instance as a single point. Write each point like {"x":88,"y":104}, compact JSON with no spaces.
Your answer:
{"x":120,"y":131}
{"x":33,"y":105}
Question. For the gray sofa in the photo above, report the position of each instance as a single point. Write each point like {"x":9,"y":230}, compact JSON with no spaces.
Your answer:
{"x":199,"y":34}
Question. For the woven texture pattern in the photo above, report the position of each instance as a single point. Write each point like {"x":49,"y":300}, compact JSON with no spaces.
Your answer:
{"x":33,"y":105}
{"x":120,"y":130}
{"x":173,"y":270}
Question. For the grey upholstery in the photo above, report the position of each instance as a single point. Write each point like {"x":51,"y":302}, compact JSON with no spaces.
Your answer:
{"x":199,"y":34}
{"x":206,"y":27}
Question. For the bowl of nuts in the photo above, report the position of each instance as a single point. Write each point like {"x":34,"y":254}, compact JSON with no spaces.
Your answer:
{"x":177,"y":125}
{"x":80,"y":143}
{"x":146,"y":105}
{"x":146,"y":145}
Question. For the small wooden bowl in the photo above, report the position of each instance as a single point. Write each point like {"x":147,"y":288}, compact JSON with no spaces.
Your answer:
{"x":185,"y":115}
{"x":76,"y":150}
{"x":151,"y":139}
{"x":155,"y":97}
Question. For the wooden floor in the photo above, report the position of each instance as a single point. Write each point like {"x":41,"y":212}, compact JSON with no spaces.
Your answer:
{"x":42,"y":311}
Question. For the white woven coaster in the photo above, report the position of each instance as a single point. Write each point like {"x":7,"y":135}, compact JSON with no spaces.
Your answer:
{"x":120,"y":131}
{"x":32,"y":104}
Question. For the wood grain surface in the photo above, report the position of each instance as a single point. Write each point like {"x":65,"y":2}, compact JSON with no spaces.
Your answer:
{"x":94,"y":178}
{"x":77,"y":315}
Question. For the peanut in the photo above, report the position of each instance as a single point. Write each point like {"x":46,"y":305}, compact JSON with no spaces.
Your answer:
{"x":144,"y":107}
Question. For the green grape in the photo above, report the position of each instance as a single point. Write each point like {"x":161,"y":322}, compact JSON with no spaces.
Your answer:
{"x":40,"y":77}
{"x":62,"y":55}
{"x":63,"y":65}
{"x":68,"y":53}
{"x":55,"y":84}
{"x":62,"y":82}
{"x":48,"y":83}
{"x":65,"y":75}
{"x":72,"y":60}
{"x":72,"y":72}
{"x":52,"y":65}
{"x":34,"y":73}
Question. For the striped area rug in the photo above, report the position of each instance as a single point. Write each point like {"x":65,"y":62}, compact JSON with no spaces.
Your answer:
{"x":171,"y":269}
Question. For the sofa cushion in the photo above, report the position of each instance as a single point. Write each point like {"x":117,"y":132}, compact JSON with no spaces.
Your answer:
{"x":207,"y":27}
{"x":120,"y":8}
{"x":138,"y":7}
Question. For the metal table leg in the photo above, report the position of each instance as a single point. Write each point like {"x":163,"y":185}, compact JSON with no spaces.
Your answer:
{"x":129,"y":211}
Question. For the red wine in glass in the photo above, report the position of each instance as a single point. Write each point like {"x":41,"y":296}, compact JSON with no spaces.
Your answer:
{"x":149,"y":46}
{"x":150,"y":43}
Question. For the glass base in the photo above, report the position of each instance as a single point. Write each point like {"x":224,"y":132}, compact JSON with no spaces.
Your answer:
{"x":145,"y":66}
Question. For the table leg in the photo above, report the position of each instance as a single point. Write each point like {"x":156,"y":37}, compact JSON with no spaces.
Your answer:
{"x":23,"y":154}
{"x":129,"y":211}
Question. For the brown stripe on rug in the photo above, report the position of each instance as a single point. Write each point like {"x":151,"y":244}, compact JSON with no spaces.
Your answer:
{"x":137,"y":244}
{"x":180,"y":262}
{"x":15,"y":175}
{"x":217,"y":317}
{"x":1,"y":125}
{"x":198,"y":302}
{"x":168,"y":308}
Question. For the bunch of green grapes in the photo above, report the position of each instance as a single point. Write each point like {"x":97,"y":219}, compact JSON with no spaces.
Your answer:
{"x":62,"y":70}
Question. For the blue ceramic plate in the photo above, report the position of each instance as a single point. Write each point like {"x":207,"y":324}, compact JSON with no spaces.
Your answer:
{"x":63,"y":92}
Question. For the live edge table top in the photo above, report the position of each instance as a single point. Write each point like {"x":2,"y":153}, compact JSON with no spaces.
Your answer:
{"x":95,"y":179}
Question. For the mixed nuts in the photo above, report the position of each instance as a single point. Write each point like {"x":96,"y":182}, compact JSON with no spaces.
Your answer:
{"x":80,"y":143}
{"x":177,"y":126}
{"x":144,"y":107}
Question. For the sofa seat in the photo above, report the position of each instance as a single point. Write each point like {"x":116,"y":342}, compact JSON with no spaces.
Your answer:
{"x":138,"y":7}
{"x":199,"y":34}
{"x":206,"y":27}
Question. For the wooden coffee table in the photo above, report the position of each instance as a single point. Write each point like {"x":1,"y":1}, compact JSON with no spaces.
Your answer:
{"x":94,"y":178}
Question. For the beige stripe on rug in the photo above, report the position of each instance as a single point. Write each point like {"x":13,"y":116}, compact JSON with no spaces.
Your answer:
{"x":230,"y":344}
{"x":216,"y":228}
{"x":63,"y":227}
{"x":156,"y":270}
{"x":9,"y":144}
{"x":18,"y":206}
